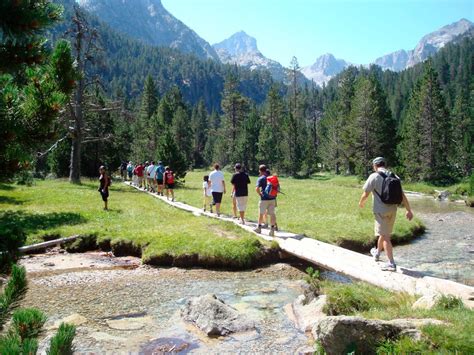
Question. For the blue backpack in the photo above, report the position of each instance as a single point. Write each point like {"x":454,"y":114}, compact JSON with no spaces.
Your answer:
{"x":160,"y":170}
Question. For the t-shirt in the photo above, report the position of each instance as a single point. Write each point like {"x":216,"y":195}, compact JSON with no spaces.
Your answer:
{"x":160,"y":170}
{"x":262,"y":184}
{"x":217,"y":181}
{"x":139,"y":170}
{"x":374,"y":185}
{"x":207,"y":188}
{"x":240,"y":181}
{"x":151,"y":171}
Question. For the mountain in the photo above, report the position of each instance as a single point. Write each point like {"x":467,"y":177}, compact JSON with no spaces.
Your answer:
{"x":149,"y":22}
{"x":325,"y":67}
{"x":241,"y":49}
{"x":426,"y":47}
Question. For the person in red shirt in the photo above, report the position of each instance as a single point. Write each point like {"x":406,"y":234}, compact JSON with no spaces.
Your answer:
{"x":139,"y":173}
{"x":169,"y":183}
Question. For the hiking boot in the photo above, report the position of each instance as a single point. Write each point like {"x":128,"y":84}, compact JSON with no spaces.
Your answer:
{"x":375,"y":253}
{"x":272,"y":232}
{"x":242,"y":222}
{"x":276,"y":228}
{"x":389,"y":267}
{"x":265,"y":225}
{"x":258,"y":229}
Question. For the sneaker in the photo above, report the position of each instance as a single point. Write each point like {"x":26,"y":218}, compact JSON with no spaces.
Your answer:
{"x":389,"y":267}
{"x":242,"y":222}
{"x":265,"y":225}
{"x":276,"y":228}
{"x":375,"y":253}
{"x":258,"y":229}
{"x":272,"y":232}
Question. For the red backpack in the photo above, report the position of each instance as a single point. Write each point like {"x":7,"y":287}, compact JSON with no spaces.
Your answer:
{"x":273,"y":186}
{"x":169,"y":177}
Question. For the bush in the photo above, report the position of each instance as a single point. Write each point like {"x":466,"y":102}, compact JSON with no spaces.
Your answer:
{"x":313,"y":279}
{"x":61,"y":343}
{"x":12,"y":294}
{"x":28,"y":322}
{"x":12,"y":237}
{"x":346,"y":300}
{"x":25,"y":177}
{"x":449,"y":302}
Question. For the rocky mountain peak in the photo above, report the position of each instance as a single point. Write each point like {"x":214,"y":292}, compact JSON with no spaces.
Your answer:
{"x":238,"y":44}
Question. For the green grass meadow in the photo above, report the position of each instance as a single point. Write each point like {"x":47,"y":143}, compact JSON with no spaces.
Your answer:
{"x":324,"y":207}
{"x":57,"y":208}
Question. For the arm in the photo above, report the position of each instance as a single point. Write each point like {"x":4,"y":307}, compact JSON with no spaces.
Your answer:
{"x":363,"y":199}
{"x":409,"y":213}
{"x":223,"y":184}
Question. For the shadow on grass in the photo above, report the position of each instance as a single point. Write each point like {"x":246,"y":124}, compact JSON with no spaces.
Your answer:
{"x":10,"y":200}
{"x":30,"y":223}
{"x":6,"y":187}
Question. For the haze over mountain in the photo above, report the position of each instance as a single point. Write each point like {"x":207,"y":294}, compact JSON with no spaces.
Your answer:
{"x":150,"y":22}
{"x":426,"y":47}
{"x":241,"y":49}
{"x":325,"y":67}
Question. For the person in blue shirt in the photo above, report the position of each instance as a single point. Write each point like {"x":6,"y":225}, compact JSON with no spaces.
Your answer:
{"x":266,"y":204}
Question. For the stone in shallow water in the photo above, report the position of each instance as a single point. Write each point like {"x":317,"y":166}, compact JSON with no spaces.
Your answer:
{"x":214,"y":317}
{"x":167,"y":345}
{"x":133,"y":323}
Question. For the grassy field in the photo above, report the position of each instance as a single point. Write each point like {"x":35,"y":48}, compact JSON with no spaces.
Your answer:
{"x":57,"y":208}
{"x":372,"y":302}
{"x":324,"y":207}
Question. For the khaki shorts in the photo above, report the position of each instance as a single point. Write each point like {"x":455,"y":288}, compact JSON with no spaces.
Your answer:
{"x":241,"y":203}
{"x":384,"y":223}
{"x":267,"y":206}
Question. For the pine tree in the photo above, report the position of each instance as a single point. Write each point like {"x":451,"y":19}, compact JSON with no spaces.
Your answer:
{"x":247,"y":147}
{"x":330,"y":129}
{"x":170,"y":154}
{"x":426,"y":132}
{"x":149,"y":100}
{"x":183,"y":134}
{"x":372,"y":125}
{"x":210,"y":149}
{"x":200,"y":127}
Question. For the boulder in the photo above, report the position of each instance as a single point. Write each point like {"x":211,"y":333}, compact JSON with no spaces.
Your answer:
{"x":344,"y":334}
{"x":427,"y":301}
{"x":214,"y":317}
{"x":305,"y":315}
{"x":442,"y":195}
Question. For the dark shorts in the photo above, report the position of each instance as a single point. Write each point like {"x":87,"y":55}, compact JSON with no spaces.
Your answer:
{"x":217,"y":197}
{"x":159,"y":181}
{"x":104,"y":194}
{"x":130,"y":174}
{"x":170,"y":186}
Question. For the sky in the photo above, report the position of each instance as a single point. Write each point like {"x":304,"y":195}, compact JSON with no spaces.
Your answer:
{"x":358,"y":31}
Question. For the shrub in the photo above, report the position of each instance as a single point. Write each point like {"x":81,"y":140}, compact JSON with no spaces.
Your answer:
{"x":61,"y":343}
{"x":28,"y":323}
{"x":313,"y":279}
{"x":12,"y":237}
{"x":345,"y":300}
{"x":25,"y":177}
{"x":449,"y":302}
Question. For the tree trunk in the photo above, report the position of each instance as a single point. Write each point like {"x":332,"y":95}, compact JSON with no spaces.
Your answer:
{"x":75,"y":163}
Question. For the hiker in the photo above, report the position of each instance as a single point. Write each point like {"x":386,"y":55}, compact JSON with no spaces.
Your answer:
{"x":152,"y":174}
{"x":216,"y":177}
{"x":388,"y":194}
{"x":265,"y":217}
{"x":139,"y":169}
{"x":123,"y":170}
{"x":105,"y":182}
{"x":267,"y":188}
{"x":145,"y":175}
{"x":240,"y":181}
{"x":130,"y":170}
{"x":169,"y":183}
{"x":206,"y":187}
{"x":159,"y":176}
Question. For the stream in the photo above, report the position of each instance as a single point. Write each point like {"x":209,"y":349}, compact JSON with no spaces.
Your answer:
{"x":446,"y":250}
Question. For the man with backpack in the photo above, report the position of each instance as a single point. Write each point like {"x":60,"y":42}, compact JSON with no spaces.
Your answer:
{"x":139,"y":172}
{"x":160,"y":173}
{"x":169,"y":183}
{"x":130,"y":170}
{"x":240,"y":181}
{"x":267,"y":188}
{"x":388,"y":194}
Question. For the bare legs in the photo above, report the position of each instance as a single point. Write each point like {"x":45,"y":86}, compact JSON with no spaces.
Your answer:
{"x":385,"y":243}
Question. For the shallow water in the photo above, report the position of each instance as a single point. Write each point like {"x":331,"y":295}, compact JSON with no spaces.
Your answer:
{"x":138,"y":310}
{"x":446,"y":250}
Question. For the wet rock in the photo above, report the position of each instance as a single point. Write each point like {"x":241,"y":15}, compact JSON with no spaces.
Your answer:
{"x":49,"y":264}
{"x":342,"y":334}
{"x":166,"y":346}
{"x":214,"y":317}
{"x":426,"y":301}
{"x":132,"y":323}
{"x":442,"y":195}
{"x":304,"y":315}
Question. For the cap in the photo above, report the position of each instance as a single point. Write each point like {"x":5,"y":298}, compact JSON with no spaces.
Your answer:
{"x":238,"y":166}
{"x":160,"y":162}
{"x":378,"y":160}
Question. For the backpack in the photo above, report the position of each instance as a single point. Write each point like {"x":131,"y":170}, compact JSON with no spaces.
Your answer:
{"x":273,"y":187}
{"x":159,"y":172}
{"x":169,"y":177}
{"x":129,"y":168}
{"x":392,"y":193}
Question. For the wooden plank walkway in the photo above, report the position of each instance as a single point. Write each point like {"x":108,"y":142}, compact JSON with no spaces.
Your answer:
{"x":344,"y":261}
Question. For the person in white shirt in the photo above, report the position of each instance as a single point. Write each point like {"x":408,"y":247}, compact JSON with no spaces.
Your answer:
{"x":216,"y":177}
{"x":151,"y":177}
{"x":206,"y":187}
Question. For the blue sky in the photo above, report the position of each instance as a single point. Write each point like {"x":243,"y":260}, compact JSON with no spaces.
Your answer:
{"x":358,"y":31}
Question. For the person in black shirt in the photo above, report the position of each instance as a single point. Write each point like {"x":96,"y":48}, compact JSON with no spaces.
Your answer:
{"x":240,"y":181}
{"x":104,"y":181}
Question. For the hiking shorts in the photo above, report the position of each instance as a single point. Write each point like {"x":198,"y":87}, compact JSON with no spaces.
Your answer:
{"x":159,"y":181}
{"x":104,"y":194}
{"x":241,"y":202}
{"x":384,"y":223}
{"x":267,"y":206}
{"x":217,"y":197}
{"x":170,"y":186}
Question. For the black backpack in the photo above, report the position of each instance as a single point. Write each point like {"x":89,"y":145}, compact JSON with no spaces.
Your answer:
{"x":392,"y":193}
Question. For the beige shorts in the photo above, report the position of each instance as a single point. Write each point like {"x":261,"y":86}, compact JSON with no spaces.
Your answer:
{"x":267,"y":206}
{"x":384,"y":223}
{"x":241,"y":203}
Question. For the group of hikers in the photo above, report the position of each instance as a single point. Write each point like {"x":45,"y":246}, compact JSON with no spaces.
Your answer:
{"x":384,"y":185}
